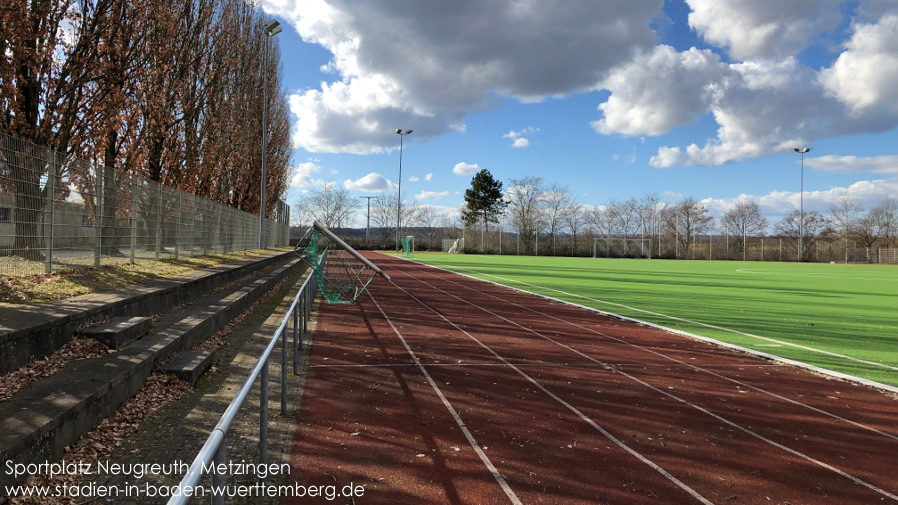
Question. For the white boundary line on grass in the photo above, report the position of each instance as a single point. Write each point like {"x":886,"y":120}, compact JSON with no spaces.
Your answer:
{"x":747,"y":431}
{"x":760,"y":354}
{"x":464,"y":429}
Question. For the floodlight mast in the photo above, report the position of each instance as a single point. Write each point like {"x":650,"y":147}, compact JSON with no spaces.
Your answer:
{"x":802,"y":151}
{"x":399,"y":191}
{"x":271,"y":29}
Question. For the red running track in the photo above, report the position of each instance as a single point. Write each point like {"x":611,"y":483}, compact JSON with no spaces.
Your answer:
{"x":438,"y":388}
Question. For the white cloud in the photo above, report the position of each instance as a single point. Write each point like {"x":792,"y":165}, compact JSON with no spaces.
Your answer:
{"x":776,"y":204}
{"x":431,"y":195}
{"x":426,"y":65}
{"x":660,"y":90}
{"x":371,"y":183}
{"x":518,"y":136}
{"x":428,"y":177}
{"x":302,"y":175}
{"x":848,"y":164}
{"x":521,"y":142}
{"x":413,"y":178}
{"x":465,"y":168}
{"x":864,"y":75}
{"x":673,"y":195}
{"x":762,"y":28}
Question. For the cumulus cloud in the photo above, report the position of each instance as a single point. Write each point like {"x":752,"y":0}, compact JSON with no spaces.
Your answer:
{"x":659,"y":90}
{"x":427,"y":64}
{"x":848,"y":164}
{"x":762,"y":107}
{"x":776,"y":204}
{"x":521,"y":142}
{"x":763,"y":28}
{"x":428,"y":177}
{"x":303,"y":175}
{"x":465,"y":168}
{"x":371,"y":183}
{"x":518,"y":136}
{"x":413,"y":178}
{"x":431,"y":195}
{"x":865,"y":74}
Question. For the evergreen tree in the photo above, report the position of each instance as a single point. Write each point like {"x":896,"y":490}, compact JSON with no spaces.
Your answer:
{"x":483,"y":200}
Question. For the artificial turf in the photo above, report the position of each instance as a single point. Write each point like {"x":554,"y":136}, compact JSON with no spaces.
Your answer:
{"x":849,"y":310}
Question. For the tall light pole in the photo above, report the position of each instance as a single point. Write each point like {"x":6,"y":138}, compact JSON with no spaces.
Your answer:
{"x":271,"y":29}
{"x":368,"y":227}
{"x":399,"y":196}
{"x":802,"y":151}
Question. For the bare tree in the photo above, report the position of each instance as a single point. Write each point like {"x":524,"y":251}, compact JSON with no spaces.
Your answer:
{"x":524,"y":198}
{"x":557,"y":200}
{"x":744,"y":218}
{"x":432,"y":222}
{"x":331,"y":206}
{"x":574,"y":221}
{"x":815,"y":226}
{"x":687,"y":219}
{"x":844,"y":219}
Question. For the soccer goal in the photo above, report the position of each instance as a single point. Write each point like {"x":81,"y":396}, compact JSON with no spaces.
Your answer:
{"x":882,"y":255}
{"x":342,"y":273}
{"x":618,"y":247}
{"x":408,"y":247}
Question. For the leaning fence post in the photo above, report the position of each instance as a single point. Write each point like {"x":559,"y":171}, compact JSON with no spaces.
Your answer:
{"x":263,"y":419}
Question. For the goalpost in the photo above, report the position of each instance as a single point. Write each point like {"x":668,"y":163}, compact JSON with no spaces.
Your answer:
{"x":618,"y":247}
{"x":342,"y":273}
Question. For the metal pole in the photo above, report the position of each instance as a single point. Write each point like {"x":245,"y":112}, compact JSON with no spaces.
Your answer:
{"x":399,"y":192}
{"x":51,"y":195}
{"x":368,"y":225}
{"x":284,"y":372}
{"x":296,"y":342}
{"x":218,"y":478}
{"x":135,"y":188}
{"x":801,"y":206}
{"x":264,"y":144}
{"x":263,"y":419}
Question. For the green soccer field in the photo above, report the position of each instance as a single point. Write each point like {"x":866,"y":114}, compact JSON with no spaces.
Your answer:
{"x":840,"y":317}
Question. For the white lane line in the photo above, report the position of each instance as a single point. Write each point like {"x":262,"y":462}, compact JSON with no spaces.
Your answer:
{"x":559,"y":365}
{"x":747,"y":431}
{"x":567,"y":405}
{"x":464,"y":429}
{"x":690,"y":365}
{"x":674,"y":318}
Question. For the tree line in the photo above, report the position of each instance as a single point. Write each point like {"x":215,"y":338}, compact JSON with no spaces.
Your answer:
{"x":537,"y":217}
{"x":169,"y":90}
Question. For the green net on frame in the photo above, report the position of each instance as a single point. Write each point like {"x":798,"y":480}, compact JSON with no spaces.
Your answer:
{"x":408,"y":247}
{"x":342,"y":274}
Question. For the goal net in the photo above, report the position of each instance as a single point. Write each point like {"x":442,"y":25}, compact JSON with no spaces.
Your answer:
{"x":616,"y":247}
{"x":408,"y":247}
{"x":882,"y":255}
{"x":342,"y":273}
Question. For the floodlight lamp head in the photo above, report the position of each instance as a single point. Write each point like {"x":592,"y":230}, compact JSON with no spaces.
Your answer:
{"x":803,"y":150}
{"x":398,"y":131}
{"x":273,"y":28}
{"x":407,"y":132}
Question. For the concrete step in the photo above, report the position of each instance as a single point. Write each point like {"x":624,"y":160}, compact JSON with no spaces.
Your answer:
{"x":39,"y":421}
{"x":190,"y":365}
{"x":118,"y":331}
{"x":35,"y":331}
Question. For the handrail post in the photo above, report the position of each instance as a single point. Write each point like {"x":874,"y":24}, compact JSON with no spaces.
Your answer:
{"x":296,"y":342}
{"x":218,"y":478}
{"x":284,"y":372}
{"x":263,"y":419}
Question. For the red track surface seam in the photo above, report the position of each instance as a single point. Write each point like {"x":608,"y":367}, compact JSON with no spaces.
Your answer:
{"x":389,"y":410}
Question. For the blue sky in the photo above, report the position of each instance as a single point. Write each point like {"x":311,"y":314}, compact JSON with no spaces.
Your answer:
{"x":702,"y":98}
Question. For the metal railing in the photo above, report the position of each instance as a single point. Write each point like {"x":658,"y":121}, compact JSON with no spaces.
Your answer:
{"x":213,"y":452}
{"x":61,"y":213}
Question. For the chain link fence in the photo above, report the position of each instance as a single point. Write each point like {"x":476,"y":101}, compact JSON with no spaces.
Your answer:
{"x":58,"y":214}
